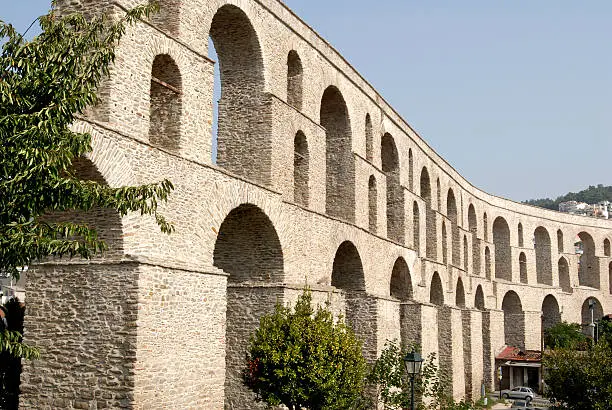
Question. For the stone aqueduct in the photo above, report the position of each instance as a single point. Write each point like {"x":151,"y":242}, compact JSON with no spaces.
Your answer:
{"x":317,"y":181}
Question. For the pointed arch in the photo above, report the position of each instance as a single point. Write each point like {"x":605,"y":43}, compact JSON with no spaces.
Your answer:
{"x":588,"y":270}
{"x":372,"y":204}
{"x":485,"y":226}
{"x":520,"y":235}
{"x":501,"y":239}
{"x":410,"y":170}
{"x":487,"y":263}
{"x":564,"y":275}
{"x":543,"y":255}
{"x":347,"y":270}
{"x":560,"y":240}
{"x":431,"y":250}
{"x":438,"y":195}
{"x":340,"y":165}
{"x":466,"y":263}
{"x":401,"y":281}
{"x":395,"y":193}
{"x":591,"y":312}
{"x":473,"y":226}
{"x":165,"y":103}
{"x":460,"y":294}
{"x":369,"y":138}
{"x":416,"y":227}
{"x":514,"y":320}
{"x":444,"y":240}
{"x":606,"y":247}
{"x":295,"y":74}
{"x":551,"y":314}
{"x":523,"y":267}
{"x":436,"y":291}
{"x":451,"y":212}
{"x":479,"y":300}
{"x":244,"y":127}
{"x":301,"y":160}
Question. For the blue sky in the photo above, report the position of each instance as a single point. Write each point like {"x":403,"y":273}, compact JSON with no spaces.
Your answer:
{"x":514,"y":95}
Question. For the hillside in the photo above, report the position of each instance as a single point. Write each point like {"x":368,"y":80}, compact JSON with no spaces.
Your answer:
{"x":591,"y":195}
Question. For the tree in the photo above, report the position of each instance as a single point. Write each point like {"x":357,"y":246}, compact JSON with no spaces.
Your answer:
{"x":45,"y":84}
{"x":580,"y":380}
{"x":393,"y":385}
{"x":565,"y":335}
{"x":302,"y":358}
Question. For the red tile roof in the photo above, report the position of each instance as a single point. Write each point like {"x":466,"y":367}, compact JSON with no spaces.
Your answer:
{"x":517,"y":355}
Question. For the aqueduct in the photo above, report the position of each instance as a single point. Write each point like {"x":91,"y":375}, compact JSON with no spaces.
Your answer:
{"x":316,"y":181}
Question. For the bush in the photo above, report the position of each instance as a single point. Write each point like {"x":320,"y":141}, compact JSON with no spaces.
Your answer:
{"x":302,"y":358}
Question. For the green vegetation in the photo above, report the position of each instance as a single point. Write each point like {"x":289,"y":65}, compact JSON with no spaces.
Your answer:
{"x":591,"y":195}
{"x":579,"y":380}
{"x":565,"y":335}
{"x":45,"y":84}
{"x":389,"y":376}
{"x":301,"y":358}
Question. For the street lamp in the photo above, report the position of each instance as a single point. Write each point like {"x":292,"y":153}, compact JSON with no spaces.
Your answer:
{"x":412,"y":363}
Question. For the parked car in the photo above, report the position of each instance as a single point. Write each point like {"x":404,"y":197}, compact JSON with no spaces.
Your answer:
{"x":520,"y":392}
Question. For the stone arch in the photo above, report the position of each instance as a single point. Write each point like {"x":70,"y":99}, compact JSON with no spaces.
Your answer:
{"x":444,"y":240}
{"x":460,"y":294}
{"x":244,"y":126}
{"x":410,"y":170}
{"x":431,"y":250}
{"x":466,"y":263}
{"x":606,"y":247}
{"x":395,"y":193}
{"x":520,"y":235}
{"x":588,"y":270}
{"x":560,"y":240}
{"x":369,"y":138}
{"x":372,"y":204}
{"x":249,"y":251}
{"x":523,"y":267}
{"x":487,"y":263}
{"x":295,"y":75}
{"x":473,"y":226}
{"x":416,"y":226}
{"x":501,"y":239}
{"x":438,"y":195}
{"x":401,"y":281}
{"x":586,"y":316}
{"x":564,"y":275}
{"x":485,"y":227}
{"x":301,"y":164}
{"x":436,"y":291}
{"x":479,"y":300}
{"x":451,"y":212}
{"x":167,"y":17}
{"x":543,"y":255}
{"x":514,"y":320}
{"x":165,"y":103}
{"x":347,"y":271}
{"x":340,"y":164}
{"x":551,"y":314}
{"x":248,"y":247}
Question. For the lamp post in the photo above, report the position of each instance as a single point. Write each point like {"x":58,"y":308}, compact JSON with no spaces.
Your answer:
{"x":412,"y":363}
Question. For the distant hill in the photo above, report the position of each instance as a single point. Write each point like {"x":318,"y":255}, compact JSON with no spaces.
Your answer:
{"x":591,"y":195}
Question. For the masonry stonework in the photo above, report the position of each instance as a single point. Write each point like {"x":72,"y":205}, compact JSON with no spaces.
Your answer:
{"x":317,"y":181}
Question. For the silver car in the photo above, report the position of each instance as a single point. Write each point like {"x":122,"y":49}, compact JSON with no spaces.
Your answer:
{"x":520,"y":392}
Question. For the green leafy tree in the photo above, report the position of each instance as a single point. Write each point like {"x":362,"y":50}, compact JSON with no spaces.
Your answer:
{"x":580,"y":380}
{"x":302,"y":358}
{"x":431,"y":386}
{"x":45,"y":84}
{"x":565,"y":335}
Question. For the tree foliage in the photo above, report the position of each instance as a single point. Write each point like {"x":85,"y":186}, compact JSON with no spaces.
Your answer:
{"x":591,"y":195}
{"x":431,"y":385}
{"x":302,"y":358}
{"x":580,"y":380}
{"x":45,"y":84}
{"x":565,"y":335}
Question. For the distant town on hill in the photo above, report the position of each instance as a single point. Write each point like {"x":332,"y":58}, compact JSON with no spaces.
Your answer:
{"x":593,"y":195}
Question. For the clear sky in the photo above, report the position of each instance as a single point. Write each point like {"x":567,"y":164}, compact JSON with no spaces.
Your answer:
{"x":515,"y":95}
